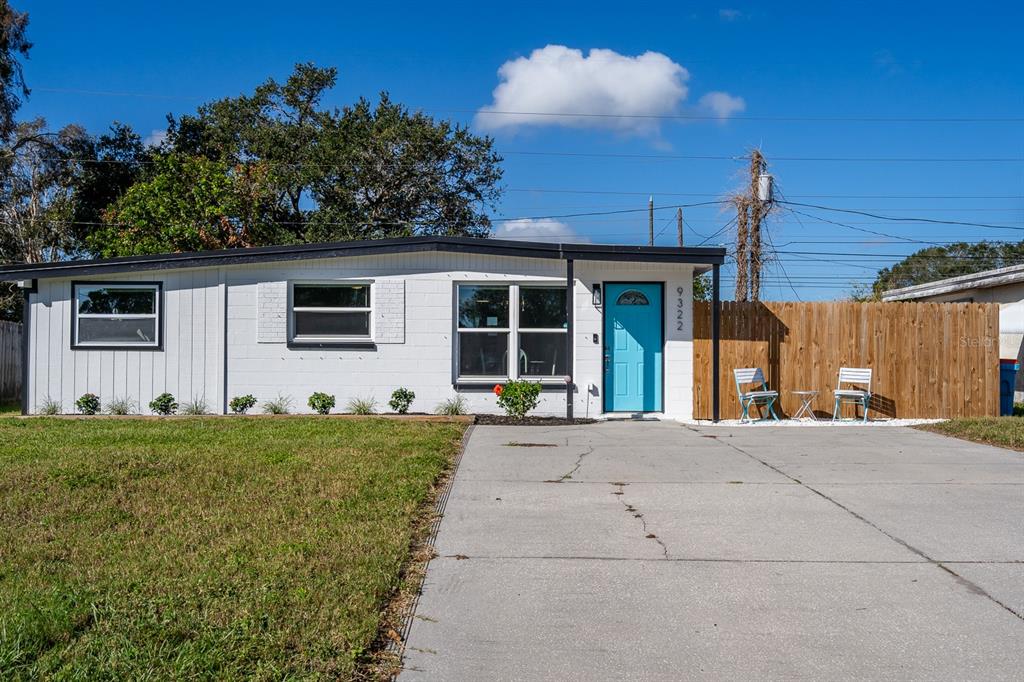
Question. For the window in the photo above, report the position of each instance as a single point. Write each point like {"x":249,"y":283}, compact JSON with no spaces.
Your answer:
{"x":632,"y":297}
{"x":331,"y":312}
{"x":483,"y":331}
{"x":116,"y":315}
{"x":525,"y":323}
{"x":542,"y":330}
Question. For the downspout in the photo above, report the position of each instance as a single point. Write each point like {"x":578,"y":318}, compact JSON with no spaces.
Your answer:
{"x":224,"y":333}
{"x":26,"y":326}
{"x":716,"y":325}
{"x":570,"y":298}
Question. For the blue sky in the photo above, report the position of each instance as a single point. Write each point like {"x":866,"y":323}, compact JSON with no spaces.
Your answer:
{"x":96,"y":62}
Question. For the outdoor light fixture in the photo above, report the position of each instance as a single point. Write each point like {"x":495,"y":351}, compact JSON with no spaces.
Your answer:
{"x":597,"y":294}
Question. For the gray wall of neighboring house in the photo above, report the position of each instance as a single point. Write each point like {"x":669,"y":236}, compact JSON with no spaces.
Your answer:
{"x":239,"y":314}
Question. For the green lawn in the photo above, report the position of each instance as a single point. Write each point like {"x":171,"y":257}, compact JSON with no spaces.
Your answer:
{"x":228,"y":548}
{"x":1007,"y":432}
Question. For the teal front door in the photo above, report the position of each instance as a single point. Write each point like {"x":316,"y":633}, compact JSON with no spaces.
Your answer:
{"x":632,"y":347}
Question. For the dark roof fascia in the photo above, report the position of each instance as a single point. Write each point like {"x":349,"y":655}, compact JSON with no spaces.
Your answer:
{"x":270,"y":254}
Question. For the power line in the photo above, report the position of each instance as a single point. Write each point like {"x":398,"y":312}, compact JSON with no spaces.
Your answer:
{"x":697,"y":157}
{"x":541,"y":190}
{"x":903,"y":219}
{"x":707,"y":117}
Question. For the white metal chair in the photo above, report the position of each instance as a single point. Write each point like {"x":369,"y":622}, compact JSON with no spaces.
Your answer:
{"x":857,"y":377}
{"x":762,"y":397}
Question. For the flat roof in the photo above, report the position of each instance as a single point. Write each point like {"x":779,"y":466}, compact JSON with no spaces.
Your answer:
{"x":986,"y":279}
{"x":705,"y":256}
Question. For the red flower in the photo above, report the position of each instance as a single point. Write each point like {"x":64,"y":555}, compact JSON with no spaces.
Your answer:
{"x":498,"y":389}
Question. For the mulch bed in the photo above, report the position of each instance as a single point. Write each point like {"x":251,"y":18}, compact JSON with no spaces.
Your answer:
{"x":500,"y":420}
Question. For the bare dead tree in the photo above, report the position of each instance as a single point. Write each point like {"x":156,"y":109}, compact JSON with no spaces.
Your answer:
{"x":742,"y":236}
{"x":758,"y":210}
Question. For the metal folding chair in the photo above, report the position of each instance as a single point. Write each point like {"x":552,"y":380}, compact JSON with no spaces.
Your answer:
{"x":857,"y":377}
{"x":760,"y":398}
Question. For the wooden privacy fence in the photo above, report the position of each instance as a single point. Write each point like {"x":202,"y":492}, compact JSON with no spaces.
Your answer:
{"x":10,"y":361}
{"x":930,"y":360}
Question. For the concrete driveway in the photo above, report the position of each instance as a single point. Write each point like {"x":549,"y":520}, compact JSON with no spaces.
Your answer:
{"x":647,"y":550}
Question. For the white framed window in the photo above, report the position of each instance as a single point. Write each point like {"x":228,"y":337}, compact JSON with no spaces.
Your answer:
{"x":331,"y":312}
{"x":510,"y":331}
{"x":116,"y":315}
{"x":542,"y":326}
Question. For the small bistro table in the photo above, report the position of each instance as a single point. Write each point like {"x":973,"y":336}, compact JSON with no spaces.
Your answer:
{"x":806,"y":398}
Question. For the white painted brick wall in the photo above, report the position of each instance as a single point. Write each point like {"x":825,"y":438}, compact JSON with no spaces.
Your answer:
{"x":389,"y":311}
{"x":272,"y":312}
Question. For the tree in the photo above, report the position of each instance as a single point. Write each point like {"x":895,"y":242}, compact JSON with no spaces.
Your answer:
{"x":702,"y":288}
{"x":190,"y":203}
{"x":36,"y":199}
{"x":361,"y":172}
{"x":939,"y":262}
{"x":279,"y":125}
{"x":388,"y":172}
{"x":108,"y":166}
{"x":14,"y":47}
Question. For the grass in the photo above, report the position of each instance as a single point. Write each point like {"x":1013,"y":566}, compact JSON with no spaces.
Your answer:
{"x":1007,"y":432}
{"x":204,"y":547}
{"x":10,"y":407}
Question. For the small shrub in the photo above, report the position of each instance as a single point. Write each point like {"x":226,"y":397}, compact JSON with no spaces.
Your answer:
{"x":164,"y":404}
{"x":517,"y":398}
{"x":282,"y":404}
{"x":50,"y":406}
{"x":195,"y":407}
{"x":88,"y":403}
{"x":1018,"y":409}
{"x":401,"y":399}
{"x":452,"y":407}
{"x":241,"y":404}
{"x":321,"y":403}
{"x":362,"y":406}
{"x":121,"y":406}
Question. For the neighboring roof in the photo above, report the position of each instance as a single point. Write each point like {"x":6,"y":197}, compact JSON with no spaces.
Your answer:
{"x":266,"y":254}
{"x":978,"y":280}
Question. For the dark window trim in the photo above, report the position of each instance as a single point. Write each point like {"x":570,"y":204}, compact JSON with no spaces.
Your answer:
{"x":513,"y":332}
{"x":159,"y":316}
{"x":367,"y":342}
{"x":337,"y":345}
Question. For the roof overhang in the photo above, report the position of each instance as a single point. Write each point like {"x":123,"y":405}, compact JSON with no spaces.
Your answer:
{"x":701,"y":257}
{"x":978,"y":280}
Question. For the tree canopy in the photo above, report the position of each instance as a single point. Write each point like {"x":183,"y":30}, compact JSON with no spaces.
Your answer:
{"x":939,"y":262}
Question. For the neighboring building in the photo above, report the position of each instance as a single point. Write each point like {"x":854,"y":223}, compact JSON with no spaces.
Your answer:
{"x":1004,"y":286}
{"x":440,"y":316}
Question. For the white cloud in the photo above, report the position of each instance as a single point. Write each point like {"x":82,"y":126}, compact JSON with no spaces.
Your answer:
{"x":155,"y":138}
{"x":730,"y":14}
{"x":559,"y":80}
{"x":538,"y":230}
{"x":722,"y":104}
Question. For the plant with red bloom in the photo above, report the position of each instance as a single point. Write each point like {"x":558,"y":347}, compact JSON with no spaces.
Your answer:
{"x":498,"y":388}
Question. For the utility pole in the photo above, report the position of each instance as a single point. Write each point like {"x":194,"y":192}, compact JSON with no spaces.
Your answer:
{"x":650,"y":221}
{"x":679,"y":224}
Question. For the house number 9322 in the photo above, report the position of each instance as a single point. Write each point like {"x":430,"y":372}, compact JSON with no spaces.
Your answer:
{"x":680,"y":307}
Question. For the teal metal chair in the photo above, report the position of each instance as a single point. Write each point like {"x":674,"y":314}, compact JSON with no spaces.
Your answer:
{"x":761,"y":398}
{"x":856,"y":396}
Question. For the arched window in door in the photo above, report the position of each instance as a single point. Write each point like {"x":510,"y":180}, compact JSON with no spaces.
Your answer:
{"x":632,"y":297}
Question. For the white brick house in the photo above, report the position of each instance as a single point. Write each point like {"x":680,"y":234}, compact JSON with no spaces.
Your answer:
{"x":440,"y":316}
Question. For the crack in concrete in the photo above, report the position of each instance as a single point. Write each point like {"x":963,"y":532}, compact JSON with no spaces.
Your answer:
{"x":579,"y":462}
{"x":971,"y":586}
{"x":637,"y":514}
